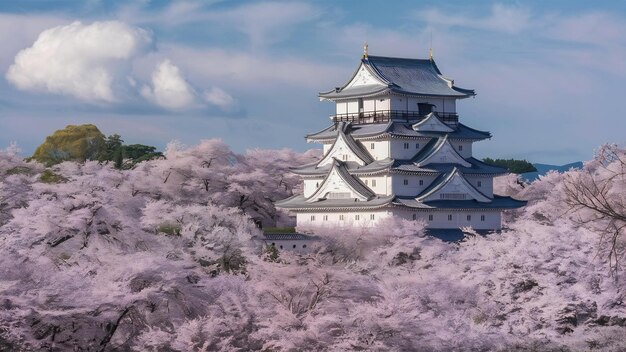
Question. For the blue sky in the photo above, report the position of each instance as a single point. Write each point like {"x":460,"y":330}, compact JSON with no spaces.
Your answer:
{"x":548,"y":75}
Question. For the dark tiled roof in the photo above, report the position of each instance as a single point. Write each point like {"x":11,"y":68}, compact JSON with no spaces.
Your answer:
{"x":407,"y":166}
{"x":287,"y":237}
{"x":405,"y":76}
{"x":353,"y":168}
{"x":352,"y":181}
{"x":299,"y":202}
{"x":398,"y":129}
{"x":498,"y":202}
{"x":478,"y":167}
{"x":355,"y":147}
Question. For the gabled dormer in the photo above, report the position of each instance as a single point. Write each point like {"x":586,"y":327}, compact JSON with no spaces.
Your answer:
{"x":439,"y":151}
{"x":432,"y":123}
{"x":339,"y":184}
{"x":452,"y":186}
{"x":345,"y":148}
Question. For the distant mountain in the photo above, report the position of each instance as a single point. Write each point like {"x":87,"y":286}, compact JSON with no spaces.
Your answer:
{"x":543,"y":169}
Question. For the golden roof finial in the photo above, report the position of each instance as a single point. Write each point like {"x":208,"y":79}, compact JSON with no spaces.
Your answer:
{"x":365,"y":47}
{"x":430,"y":49}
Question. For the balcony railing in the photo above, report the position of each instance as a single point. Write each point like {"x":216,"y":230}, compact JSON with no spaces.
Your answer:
{"x":387,"y":115}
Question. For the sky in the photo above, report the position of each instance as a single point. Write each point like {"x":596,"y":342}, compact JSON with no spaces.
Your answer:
{"x":548,"y":75}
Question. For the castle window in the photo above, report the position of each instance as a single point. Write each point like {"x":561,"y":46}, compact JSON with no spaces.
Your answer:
{"x":460,"y":147}
{"x":421,"y":182}
{"x":357,"y":217}
{"x":294,"y":246}
{"x":344,"y":157}
{"x":430,"y":217}
{"x":482,"y":218}
{"x":449,"y":217}
{"x":406,"y":182}
{"x":341,"y":217}
{"x":312,"y":217}
{"x":366,"y":182}
{"x":325,"y":217}
{"x":417,"y":146}
{"x":281,"y":247}
{"x":372,"y":216}
{"x":469,"y":218}
{"x":273,"y":244}
{"x":373,"y":183}
{"x":414,"y":216}
{"x":406,"y":145}
{"x":304,"y":246}
{"x":480,"y":184}
{"x":454,"y":196}
{"x":372,"y":146}
{"x":338,"y":195}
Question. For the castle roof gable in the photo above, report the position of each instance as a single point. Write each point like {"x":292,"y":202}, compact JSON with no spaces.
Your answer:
{"x":378,"y":74}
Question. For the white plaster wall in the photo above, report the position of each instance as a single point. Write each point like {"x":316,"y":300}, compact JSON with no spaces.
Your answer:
{"x":459,"y":218}
{"x":395,"y":102}
{"x":447,"y":105}
{"x":353,"y":106}
{"x":363,"y":77}
{"x":450,"y":105}
{"x":399,"y":103}
{"x":379,"y":150}
{"x":381,"y":186}
{"x":326,"y":147}
{"x":342,"y":107}
{"x":413,"y":189}
{"x":383,"y":104}
{"x":310,"y":186}
{"x":398,"y":152}
{"x":340,"y":151}
{"x":349,"y":218}
{"x":465,"y":149}
{"x":486,"y":184}
{"x":439,"y":220}
{"x":369,"y":105}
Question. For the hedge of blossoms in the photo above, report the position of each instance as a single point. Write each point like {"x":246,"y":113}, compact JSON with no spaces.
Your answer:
{"x":161,"y":258}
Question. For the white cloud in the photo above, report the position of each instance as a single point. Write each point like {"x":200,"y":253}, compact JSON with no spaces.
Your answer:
{"x":83,"y":61}
{"x":169,"y":89}
{"x":510,"y":19}
{"x":218,"y":97}
{"x":12,"y":40}
{"x":252,"y":72}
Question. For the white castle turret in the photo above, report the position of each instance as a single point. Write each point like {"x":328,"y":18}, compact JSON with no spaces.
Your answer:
{"x":396,"y":148}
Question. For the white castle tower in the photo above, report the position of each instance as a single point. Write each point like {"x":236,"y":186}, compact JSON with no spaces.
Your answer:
{"x":396,"y":148}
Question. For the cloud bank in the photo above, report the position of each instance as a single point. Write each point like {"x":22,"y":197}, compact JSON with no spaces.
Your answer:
{"x":169,"y":89}
{"x":78,"y":60}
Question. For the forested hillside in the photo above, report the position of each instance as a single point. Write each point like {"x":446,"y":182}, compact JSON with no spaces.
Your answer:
{"x":160,"y":257}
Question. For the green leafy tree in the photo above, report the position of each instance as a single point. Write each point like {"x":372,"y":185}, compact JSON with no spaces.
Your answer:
{"x":73,"y":143}
{"x":513,"y":165}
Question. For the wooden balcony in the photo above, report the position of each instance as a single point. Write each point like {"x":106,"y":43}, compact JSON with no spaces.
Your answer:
{"x":388,"y":115}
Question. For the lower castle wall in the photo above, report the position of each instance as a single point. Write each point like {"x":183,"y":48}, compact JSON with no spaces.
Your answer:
{"x":440,"y":220}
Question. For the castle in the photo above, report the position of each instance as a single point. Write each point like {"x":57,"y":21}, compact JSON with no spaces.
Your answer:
{"x":396,"y":148}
